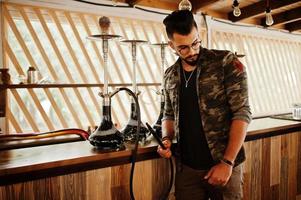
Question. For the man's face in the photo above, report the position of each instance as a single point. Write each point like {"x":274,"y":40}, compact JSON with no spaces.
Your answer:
{"x":187,"y":46}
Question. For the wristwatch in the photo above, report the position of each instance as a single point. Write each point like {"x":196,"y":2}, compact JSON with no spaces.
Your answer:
{"x":228,"y":162}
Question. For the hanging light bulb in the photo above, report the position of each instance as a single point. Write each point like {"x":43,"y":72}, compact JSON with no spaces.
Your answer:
{"x":236,"y":10}
{"x":268,"y":17}
{"x":114,"y":2}
{"x":185,"y":5}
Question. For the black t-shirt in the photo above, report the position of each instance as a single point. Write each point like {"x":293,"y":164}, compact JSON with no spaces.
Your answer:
{"x":194,"y":147}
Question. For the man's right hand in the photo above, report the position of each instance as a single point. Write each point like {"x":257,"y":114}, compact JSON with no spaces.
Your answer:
{"x":165,"y":153}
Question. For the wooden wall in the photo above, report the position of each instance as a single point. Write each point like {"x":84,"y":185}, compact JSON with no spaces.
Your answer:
{"x":272,"y":171}
{"x":107,"y":183}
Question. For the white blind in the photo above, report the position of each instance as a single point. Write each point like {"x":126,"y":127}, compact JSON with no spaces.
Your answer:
{"x":273,"y":67}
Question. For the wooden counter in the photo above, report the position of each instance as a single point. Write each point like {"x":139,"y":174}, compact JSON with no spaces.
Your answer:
{"x":272,"y":169}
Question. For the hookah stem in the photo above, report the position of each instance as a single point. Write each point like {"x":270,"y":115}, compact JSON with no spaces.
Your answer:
{"x":134,"y":60}
{"x":105,"y":59}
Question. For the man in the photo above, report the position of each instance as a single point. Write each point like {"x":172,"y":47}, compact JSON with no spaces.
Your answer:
{"x":207,"y":110}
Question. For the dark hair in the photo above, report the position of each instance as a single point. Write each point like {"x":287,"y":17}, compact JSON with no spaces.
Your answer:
{"x":179,"y":21}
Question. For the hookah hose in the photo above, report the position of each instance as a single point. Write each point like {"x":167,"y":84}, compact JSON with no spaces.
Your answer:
{"x":134,"y":151}
{"x":170,"y":161}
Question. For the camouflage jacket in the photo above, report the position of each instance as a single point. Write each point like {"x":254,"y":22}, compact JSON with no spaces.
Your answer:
{"x":223,"y":97}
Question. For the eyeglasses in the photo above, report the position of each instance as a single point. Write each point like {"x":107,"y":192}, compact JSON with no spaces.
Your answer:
{"x":185,"y":49}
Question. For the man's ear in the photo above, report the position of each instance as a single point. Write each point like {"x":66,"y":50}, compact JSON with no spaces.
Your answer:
{"x":171,"y":45}
{"x":173,"y":48}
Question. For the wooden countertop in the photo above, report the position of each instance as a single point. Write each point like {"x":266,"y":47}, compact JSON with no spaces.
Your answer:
{"x":58,"y":159}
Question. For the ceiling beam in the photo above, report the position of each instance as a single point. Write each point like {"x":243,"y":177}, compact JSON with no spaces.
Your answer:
{"x":285,"y":17}
{"x":197,"y":4}
{"x":294,"y":26}
{"x":259,"y":8}
{"x":132,"y":2}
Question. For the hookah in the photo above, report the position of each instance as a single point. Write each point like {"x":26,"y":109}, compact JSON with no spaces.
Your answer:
{"x":106,"y":137}
{"x":158,"y":124}
{"x":130,"y":129}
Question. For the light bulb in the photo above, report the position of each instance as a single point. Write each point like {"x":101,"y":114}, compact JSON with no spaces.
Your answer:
{"x":268,"y":17}
{"x":236,"y":9}
{"x":185,"y":5}
{"x":115,"y":2}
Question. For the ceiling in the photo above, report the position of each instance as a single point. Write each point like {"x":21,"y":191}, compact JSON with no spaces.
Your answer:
{"x":286,"y":13}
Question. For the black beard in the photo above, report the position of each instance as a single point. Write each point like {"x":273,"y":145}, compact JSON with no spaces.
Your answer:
{"x":191,"y":63}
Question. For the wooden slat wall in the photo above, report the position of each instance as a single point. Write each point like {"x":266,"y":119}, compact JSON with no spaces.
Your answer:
{"x":54,"y":41}
{"x":272,"y":171}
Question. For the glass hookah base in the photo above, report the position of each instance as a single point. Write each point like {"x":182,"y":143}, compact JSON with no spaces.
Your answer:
{"x":108,"y":142}
{"x":130,"y":133}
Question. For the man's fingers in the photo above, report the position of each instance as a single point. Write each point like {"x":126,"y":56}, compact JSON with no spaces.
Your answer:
{"x":208,"y":174}
{"x":164,"y":153}
{"x":167,"y":143}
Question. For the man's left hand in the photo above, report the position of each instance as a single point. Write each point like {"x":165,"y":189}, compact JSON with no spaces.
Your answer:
{"x":219,"y":174}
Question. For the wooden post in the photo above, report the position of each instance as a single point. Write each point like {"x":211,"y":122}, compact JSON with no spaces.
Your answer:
{"x":4,"y":76}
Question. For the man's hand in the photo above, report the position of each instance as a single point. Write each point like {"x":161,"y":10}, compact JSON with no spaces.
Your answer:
{"x":219,"y":174}
{"x":165,"y":153}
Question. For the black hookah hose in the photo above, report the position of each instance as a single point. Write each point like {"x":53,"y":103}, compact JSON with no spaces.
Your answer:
{"x":135,"y":150}
{"x":156,"y":136}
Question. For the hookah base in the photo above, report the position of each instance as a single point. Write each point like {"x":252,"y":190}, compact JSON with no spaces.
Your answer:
{"x":113,"y":142}
{"x":130,"y":134}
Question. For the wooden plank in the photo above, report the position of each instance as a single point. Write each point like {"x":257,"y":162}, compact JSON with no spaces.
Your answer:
{"x":256,"y":169}
{"x":78,"y":67}
{"x":25,"y":111}
{"x":275,"y":160}
{"x":100,"y":178}
{"x":132,"y":2}
{"x":56,"y":108}
{"x":11,"y":118}
{"x":275,"y":192}
{"x":198,"y":5}
{"x":24,"y":47}
{"x":294,"y":26}
{"x":292,"y":165}
{"x":48,"y":63}
{"x":299,"y":166}
{"x":73,"y":186}
{"x":120,"y":182}
{"x":284,"y":168}
{"x":265,"y":169}
{"x":32,"y":94}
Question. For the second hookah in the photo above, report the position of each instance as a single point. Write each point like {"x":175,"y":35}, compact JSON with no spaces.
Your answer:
{"x":130,"y":129}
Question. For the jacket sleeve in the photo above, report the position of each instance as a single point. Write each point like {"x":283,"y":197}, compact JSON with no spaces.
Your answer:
{"x":168,"y":112}
{"x":236,"y":88}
